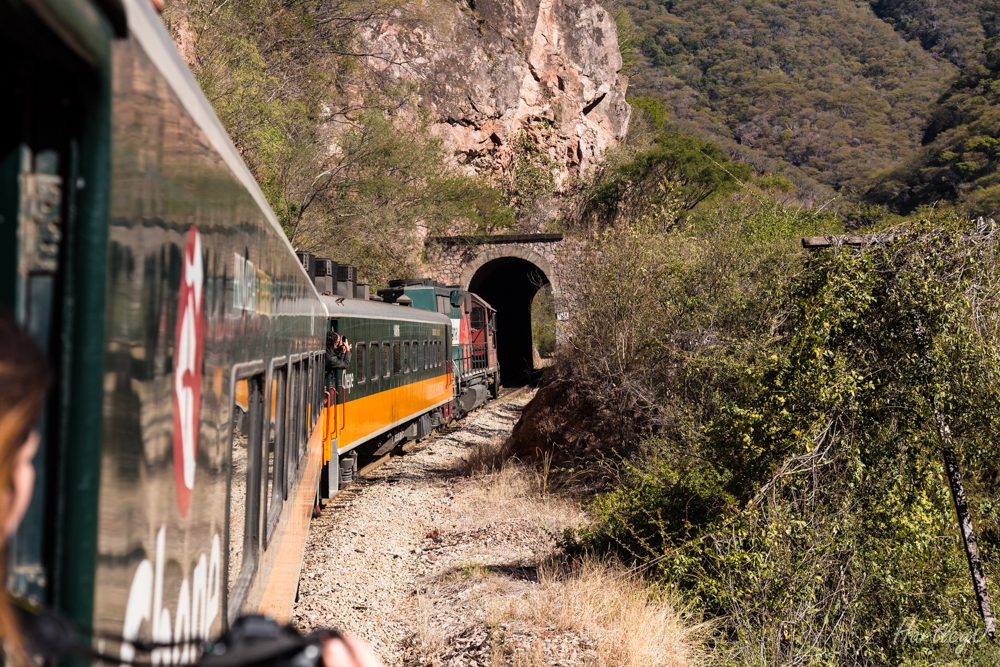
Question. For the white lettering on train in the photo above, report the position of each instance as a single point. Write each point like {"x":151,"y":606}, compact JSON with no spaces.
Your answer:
{"x":196,"y":610}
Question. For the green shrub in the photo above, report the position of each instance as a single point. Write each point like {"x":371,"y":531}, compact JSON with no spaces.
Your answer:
{"x":808,"y":512}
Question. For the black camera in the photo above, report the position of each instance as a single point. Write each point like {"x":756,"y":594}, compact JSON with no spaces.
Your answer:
{"x":259,"y":640}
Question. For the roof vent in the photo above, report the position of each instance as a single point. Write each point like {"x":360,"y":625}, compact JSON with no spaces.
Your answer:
{"x":308,"y":261}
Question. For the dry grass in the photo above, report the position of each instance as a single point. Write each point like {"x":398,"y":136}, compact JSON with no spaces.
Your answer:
{"x":427,"y":638}
{"x":615,"y":610}
{"x":485,"y":457}
{"x":517,"y":490}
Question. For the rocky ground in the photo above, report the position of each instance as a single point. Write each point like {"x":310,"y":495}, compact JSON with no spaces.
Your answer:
{"x":437,"y":561}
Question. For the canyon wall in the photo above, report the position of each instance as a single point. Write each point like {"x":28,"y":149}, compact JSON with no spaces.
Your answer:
{"x":487,"y":70}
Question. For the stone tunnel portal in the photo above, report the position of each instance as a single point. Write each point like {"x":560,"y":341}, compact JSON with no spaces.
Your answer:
{"x":509,"y":284}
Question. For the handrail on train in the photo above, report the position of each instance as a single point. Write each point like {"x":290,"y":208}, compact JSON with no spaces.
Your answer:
{"x":343,"y":413}
{"x":473,"y":357}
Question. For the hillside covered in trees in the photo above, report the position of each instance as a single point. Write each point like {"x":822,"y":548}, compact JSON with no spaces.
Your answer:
{"x":959,"y":158}
{"x":827,"y":88}
{"x":836,"y":96}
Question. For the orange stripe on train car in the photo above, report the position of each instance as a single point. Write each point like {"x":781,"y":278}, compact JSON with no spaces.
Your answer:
{"x":364,"y":416}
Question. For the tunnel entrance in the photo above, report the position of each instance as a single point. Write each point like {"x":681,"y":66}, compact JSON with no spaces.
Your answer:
{"x":509,"y":284}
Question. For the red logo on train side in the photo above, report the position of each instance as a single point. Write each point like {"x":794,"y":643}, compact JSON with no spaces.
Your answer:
{"x":187,"y":369}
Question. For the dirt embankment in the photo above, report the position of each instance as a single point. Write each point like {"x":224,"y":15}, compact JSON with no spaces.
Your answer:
{"x":571,"y":421}
{"x":438,"y":561}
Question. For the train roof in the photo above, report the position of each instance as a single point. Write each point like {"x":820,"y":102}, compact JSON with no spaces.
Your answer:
{"x":376,"y":310}
{"x":482,"y":301}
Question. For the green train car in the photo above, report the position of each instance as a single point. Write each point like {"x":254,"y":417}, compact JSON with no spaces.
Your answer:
{"x":398,"y":384}
{"x":475,"y":366}
{"x":193,"y":420}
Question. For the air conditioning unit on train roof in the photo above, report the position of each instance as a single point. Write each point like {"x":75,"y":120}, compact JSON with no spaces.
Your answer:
{"x":347,"y":278}
{"x":326,"y":276}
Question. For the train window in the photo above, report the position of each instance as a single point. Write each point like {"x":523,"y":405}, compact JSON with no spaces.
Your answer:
{"x":311,"y":388}
{"x":291,"y":415}
{"x":296,"y":403}
{"x":274,"y":460}
{"x":386,"y":361}
{"x":443,"y":305}
{"x":303,"y":408}
{"x":359,"y":353}
{"x":406,"y":356}
{"x":319,"y":361}
{"x":477,"y":320}
{"x":396,"y":361}
{"x":373,"y":362}
{"x":307,"y":392}
{"x":423,"y":350}
{"x":413,"y":356}
{"x":245,"y":458}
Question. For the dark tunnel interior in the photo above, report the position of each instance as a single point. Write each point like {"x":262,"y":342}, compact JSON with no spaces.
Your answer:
{"x":509,"y":284}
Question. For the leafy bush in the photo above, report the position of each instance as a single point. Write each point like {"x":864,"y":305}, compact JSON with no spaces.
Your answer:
{"x":660,"y":313}
{"x":809,"y":511}
{"x":673,"y":176}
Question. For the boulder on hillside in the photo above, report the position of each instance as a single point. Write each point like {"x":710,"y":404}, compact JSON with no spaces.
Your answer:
{"x":571,"y":420}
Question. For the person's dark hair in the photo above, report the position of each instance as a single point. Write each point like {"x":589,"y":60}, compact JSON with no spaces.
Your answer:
{"x":24,"y":376}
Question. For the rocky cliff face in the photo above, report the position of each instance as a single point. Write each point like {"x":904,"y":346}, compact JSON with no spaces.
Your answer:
{"x":488,"y":69}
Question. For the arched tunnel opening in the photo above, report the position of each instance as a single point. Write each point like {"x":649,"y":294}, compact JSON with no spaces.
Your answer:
{"x":509,"y":284}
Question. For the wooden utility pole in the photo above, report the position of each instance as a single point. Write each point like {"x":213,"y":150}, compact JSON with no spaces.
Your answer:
{"x":965,"y":524}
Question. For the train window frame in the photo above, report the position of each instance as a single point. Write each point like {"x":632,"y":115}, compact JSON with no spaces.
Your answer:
{"x":311,"y":392}
{"x":236,"y":595}
{"x":293,"y":424}
{"x":373,"y":362}
{"x":360,"y":362}
{"x":307,"y":368}
{"x":405,"y":356}
{"x":273,"y":501}
{"x":397,"y":362}
{"x":413,"y":355}
{"x":477,"y":318}
{"x":386,"y":360}
{"x":316,"y":394}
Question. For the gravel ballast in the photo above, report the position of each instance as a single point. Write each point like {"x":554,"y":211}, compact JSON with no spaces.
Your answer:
{"x":399,"y":557}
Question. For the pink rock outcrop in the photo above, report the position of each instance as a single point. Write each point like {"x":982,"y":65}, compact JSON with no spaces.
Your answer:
{"x":489,"y":69}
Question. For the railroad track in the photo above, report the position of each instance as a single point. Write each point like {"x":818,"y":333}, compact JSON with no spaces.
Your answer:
{"x":346,"y":495}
